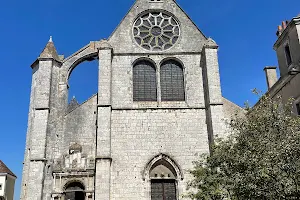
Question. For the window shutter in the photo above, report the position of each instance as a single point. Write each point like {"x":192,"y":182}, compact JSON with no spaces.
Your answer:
{"x":172,"y":81}
{"x":144,"y":82}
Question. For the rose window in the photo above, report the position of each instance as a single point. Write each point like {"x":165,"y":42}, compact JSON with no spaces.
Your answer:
{"x":156,"y":31}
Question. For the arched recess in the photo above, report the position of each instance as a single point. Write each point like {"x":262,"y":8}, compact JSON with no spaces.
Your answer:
{"x":165,"y":161}
{"x":163,"y":174}
{"x":74,"y":190}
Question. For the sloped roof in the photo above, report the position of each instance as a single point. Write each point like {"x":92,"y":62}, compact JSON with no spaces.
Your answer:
{"x":50,"y":51}
{"x":5,"y":170}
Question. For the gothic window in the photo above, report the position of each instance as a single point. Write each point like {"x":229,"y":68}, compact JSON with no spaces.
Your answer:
{"x":163,"y":181}
{"x":144,"y":81}
{"x":172,"y":81}
{"x":156,"y":31}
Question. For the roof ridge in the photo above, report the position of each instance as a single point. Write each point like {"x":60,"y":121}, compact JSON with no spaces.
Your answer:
{"x":4,"y":169}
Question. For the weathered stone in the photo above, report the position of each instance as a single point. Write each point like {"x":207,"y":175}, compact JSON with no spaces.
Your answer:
{"x":108,"y":143}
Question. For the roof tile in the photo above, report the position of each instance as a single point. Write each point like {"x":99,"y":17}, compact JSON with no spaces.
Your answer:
{"x":5,"y":170}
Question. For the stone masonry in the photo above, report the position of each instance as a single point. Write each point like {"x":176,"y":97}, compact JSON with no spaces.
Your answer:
{"x":109,"y":144}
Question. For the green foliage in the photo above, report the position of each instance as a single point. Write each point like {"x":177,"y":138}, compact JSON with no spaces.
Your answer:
{"x":260,"y":160}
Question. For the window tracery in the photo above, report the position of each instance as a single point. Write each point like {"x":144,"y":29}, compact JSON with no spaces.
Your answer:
{"x":156,"y":31}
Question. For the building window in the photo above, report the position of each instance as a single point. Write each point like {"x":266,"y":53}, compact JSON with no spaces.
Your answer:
{"x":172,"y":81}
{"x":288,"y":55}
{"x":156,"y":30}
{"x":298,"y":108}
{"x":0,"y":186}
{"x":144,"y":81}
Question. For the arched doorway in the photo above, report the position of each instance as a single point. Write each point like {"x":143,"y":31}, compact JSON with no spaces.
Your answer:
{"x":74,"y":191}
{"x":163,"y":181}
{"x":164,"y":176}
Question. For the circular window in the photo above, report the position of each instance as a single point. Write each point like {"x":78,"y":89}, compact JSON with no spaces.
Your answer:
{"x":156,"y":31}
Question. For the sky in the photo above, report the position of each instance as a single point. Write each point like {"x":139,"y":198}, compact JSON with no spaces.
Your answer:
{"x":244,"y":30}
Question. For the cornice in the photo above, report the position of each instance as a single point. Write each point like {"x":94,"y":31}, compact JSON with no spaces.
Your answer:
{"x":295,"y":21}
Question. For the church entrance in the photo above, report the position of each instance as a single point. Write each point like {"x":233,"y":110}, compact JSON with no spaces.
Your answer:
{"x":163,"y":190}
{"x":74,"y":191}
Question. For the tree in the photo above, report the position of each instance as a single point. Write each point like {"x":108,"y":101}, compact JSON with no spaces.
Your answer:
{"x":259,"y":160}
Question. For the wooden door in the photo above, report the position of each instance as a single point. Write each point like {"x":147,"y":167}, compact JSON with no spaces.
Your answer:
{"x":163,"y":189}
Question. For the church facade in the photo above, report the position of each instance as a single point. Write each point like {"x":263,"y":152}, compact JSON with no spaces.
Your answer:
{"x":158,"y":108}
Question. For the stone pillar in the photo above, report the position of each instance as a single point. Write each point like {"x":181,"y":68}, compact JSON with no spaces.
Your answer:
{"x":213,"y":95}
{"x":103,"y":157}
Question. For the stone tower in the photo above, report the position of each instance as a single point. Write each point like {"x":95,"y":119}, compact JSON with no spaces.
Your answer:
{"x":158,"y":107}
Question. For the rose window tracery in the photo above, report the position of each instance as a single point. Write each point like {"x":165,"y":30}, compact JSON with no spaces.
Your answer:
{"x":156,"y":31}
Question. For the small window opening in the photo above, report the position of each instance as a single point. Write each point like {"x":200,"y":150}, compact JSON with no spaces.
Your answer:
{"x":0,"y":186}
{"x":298,"y":108}
{"x":288,"y":55}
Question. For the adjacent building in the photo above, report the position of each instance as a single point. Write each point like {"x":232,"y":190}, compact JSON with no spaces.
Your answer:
{"x":287,"y":48}
{"x":158,"y":108}
{"x":7,"y":182}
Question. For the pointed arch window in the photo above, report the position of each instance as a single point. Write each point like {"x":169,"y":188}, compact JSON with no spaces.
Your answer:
{"x":144,"y":81}
{"x":172,"y":81}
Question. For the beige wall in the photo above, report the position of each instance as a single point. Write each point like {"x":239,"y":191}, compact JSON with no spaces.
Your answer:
{"x":2,"y":182}
{"x":8,"y":187}
{"x":292,"y":38}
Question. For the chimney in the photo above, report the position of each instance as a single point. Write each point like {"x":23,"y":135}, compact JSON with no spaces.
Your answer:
{"x":271,"y":76}
{"x":279,"y":31}
{"x":282,"y":27}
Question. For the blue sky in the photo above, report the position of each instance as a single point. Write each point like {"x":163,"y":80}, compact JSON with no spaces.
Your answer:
{"x":244,"y":30}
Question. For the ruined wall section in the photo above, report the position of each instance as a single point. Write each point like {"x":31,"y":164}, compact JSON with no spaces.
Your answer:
{"x":80,"y":127}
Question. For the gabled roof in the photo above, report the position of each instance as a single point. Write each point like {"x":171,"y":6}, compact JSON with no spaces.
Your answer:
{"x":191,"y":38}
{"x":5,"y":170}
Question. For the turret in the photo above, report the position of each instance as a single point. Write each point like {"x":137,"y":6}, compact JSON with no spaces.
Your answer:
{"x":35,"y":153}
